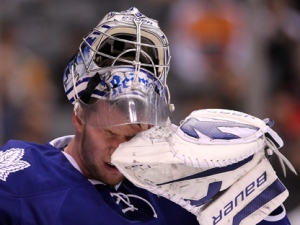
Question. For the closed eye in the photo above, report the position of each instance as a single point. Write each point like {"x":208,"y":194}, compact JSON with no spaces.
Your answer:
{"x":110,"y":134}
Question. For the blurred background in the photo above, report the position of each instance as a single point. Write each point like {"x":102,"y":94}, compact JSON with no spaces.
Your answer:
{"x":233,"y":54}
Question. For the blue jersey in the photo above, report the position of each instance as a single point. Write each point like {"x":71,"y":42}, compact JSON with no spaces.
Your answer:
{"x":39,"y":185}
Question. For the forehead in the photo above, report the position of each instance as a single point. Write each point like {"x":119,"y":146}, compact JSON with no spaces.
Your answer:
{"x":128,"y":129}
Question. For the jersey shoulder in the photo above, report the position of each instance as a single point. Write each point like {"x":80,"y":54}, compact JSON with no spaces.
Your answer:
{"x":24,"y":164}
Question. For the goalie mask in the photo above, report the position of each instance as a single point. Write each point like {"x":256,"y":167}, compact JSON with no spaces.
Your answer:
{"x":119,"y":74}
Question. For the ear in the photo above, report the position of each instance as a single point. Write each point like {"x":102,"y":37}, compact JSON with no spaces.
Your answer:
{"x":77,"y":122}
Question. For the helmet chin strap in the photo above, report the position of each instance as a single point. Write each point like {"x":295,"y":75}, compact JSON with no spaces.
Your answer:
{"x":91,"y":86}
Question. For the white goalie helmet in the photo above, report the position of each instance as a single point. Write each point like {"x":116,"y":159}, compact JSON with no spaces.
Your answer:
{"x":118,"y":76}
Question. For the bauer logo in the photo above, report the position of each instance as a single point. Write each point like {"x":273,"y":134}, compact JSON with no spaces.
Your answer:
{"x":240,"y":197}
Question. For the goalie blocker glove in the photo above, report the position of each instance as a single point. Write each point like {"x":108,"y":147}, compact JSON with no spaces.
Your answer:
{"x":214,"y":165}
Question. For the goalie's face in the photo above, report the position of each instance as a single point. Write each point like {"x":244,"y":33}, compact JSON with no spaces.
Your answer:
{"x":96,"y":147}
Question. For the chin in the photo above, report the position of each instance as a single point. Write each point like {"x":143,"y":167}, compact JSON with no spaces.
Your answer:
{"x":115,"y":181}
